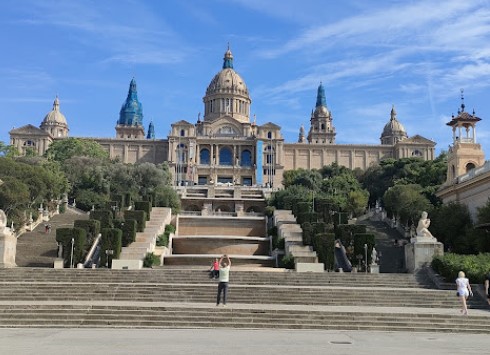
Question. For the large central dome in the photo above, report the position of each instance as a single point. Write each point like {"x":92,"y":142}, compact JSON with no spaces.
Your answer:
{"x":227,"y":94}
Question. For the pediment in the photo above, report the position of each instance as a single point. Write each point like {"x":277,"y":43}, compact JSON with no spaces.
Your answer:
{"x":270,"y":125}
{"x":226,"y":126}
{"x":418,"y":139}
{"x":28,"y":130}
{"x":182,"y":123}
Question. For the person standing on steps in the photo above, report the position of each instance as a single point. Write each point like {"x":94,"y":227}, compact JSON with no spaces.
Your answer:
{"x":464,"y":290}
{"x":487,"y":287}
{"x":224,"y":277}
{"x":214,"y":271}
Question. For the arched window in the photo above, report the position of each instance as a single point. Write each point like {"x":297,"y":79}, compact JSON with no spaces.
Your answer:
{"x":417,"y":153}
{"x":182,"y":133}
{"x":29,"y":143}
{"x":470,"y":166}
{"x":204,"y":156}
{"x":323,"y":126}
{"x":269,"y":135}
{"x":225,"y":156}
{"x":246,"y":158}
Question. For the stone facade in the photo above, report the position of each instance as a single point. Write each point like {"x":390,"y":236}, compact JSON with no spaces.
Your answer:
{"x":468,"y":175}
{"x":225,"y":147}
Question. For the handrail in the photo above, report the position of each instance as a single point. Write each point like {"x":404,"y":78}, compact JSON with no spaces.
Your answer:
{"x":92,"y":250}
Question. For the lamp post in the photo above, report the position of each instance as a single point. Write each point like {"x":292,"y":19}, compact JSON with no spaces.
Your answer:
{"x":71,"y":255}
{"x":365,"y":257}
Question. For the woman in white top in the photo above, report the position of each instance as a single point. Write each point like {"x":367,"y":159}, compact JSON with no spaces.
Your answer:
{"x":464,"y":290}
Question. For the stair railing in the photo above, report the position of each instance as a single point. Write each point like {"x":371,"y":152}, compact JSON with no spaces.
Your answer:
{"x":89,"y":258}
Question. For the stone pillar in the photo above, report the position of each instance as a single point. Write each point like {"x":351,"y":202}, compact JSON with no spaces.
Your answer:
{"x":8,"y":244}
{"x":421,"y":251}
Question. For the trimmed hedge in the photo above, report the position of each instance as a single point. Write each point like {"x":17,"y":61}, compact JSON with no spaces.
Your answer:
{"x":91,"y":226}
{"x":143,"y":206}
{"x":128,"y":228}
{"x":64,"y":237}
{"x":139,"y":217}
{"x":104,"y":216}
{"x":323,"y":243}
{"x":111,"y":240}
{"x":474,"y":266}
{"x":307,"y":233}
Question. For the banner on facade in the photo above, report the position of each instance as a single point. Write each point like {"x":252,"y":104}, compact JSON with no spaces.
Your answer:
{"x":259,"y":171}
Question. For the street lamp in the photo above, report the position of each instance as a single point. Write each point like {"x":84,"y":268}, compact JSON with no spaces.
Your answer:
{"x":365,"y":256}
{"x":71,"y":255}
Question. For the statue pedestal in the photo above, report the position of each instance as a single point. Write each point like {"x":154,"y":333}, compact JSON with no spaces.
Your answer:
{"x":421,"y":251}
{"x":374,"y":269}
{"x":8,"y":248}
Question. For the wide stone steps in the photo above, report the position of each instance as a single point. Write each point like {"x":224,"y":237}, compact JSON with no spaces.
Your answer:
{"x":191,"y":276}
{"x":212,"y":317}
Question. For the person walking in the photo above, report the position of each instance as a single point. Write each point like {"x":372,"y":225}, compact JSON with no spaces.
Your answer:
{"x":487,"y":286}
{"x":224,"y":277}
{"x":463,"y":291}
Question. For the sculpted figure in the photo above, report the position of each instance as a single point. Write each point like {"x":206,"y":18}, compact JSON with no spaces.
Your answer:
{"x":422,"y":227}
{"x":3,"y":220}
{"x":374,"y":256}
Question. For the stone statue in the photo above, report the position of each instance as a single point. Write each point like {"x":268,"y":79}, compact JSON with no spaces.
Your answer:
{"x":374,"y":256}
{"x":422,"y":227}
{"x":3,"y":221}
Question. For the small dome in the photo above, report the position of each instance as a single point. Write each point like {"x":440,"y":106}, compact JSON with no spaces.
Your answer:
{"x":393,"y":131}
{"x":321,"y":111}
{"x":393,"y":128}
{"x":55,"y":116}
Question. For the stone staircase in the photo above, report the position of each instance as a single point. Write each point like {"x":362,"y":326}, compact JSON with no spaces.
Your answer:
{"x":37,"y":248}
{"x":145,"y":241}
{"x":200,"y":239}
{"x":287,"y":228}
{"x":184,"y":298}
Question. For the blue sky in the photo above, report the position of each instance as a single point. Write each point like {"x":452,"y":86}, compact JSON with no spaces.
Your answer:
{"x":369,"y":55}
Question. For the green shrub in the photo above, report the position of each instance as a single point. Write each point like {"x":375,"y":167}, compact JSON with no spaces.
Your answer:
{"x":307,"y":229}
{"x":139,"y":217}
{"x":474,"y":266}
{"x":169,"y":228}
{"x":150,"y":260}
{"x":104,"y":216}
{"x":287,"y":262}
{"x":64,"y":237}
{"x":162,"y":240}
{"x":128,"y":228}
{"x":91,"y":226}
{"x":323,"y":243}
{"x":111,"y":240}
{"x":143,"y":206}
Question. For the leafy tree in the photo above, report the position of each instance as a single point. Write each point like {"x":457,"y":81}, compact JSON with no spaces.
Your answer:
{"x":406,"y":202}
{"x":429,"y":174}
{"x":450,"y":224}
{"x":63,"y":149}
{"x":356,"y":202}
{"x":483,"y":213}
